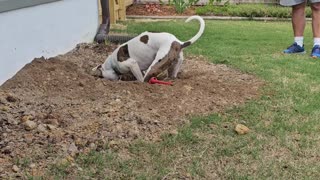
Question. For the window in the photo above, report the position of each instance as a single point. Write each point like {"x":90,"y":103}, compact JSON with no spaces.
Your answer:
{"x":8,"y":5}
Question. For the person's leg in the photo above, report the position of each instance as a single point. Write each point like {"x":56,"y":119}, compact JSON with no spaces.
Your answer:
{"x":298,"y":19}
{"x":298,"y":26}
{"x":315,"y":7}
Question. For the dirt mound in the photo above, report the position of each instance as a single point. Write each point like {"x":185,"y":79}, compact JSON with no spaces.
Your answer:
{"x":54,"y":108}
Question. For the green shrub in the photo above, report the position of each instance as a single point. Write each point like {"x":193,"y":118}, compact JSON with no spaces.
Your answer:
{"x":182,"y":5}
{"x":248,"y":10}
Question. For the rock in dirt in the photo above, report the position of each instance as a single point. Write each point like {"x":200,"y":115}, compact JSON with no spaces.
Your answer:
{"x":32,"y":165}
{"x":30,"y":125}
{"x":15,"y":168}
{"x":93,"y":146}
{"x":4,"y":108}
{"x":26,"y":118}
{"x":241,"y":129}
{"x":73,"y":149}
{"x":51,"y":127}
{"x":54,"y":122}
{"x":28,"y":138}
{"x":42,"y":128}
{"x":174,"y":132}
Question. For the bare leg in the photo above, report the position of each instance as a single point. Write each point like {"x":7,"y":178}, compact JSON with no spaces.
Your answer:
{"x":298,"y":19}
{"x":315,"y":7}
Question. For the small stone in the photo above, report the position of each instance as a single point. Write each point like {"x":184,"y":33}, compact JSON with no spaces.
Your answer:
{"x":15,"y":168}
{"x":73,"y":149}
{"x":113,"y":144}
{"x":173,"y":132}
{"x":241,"y":129}
{"x":30,"y":125}
{"x":11,"y":144}
{"x":32,"y":165}
{"x":4,"y":135}
{"x":28,"y":138}
{"x":188,"y":88}
{"x":41,"y":128}
{"x":4,"y":108}
{"x":51,"y":127}
{"x":53,"y":122}
{"x":79,"y":142}
{"x":26,"y":118}
{"x":70,"y":159}
{"x":92,"y":146}
{"x":212,"y":126}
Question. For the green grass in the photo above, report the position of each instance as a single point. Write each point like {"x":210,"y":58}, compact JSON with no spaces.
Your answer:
{"x":284,"y":139}
{"x":248,"y":10}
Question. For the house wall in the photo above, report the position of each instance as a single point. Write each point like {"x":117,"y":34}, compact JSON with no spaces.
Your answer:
{"x":44,"y":30}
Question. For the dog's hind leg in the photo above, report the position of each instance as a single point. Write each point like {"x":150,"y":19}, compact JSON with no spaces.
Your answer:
{"x":164,"y":59}
{"x":132,"y":65}
{"x":161,"y":54}
{"x":176,"y":66}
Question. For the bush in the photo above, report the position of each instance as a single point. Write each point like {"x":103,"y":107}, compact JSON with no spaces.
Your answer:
{"x":248,"y":10}
{"x":182,"y":5}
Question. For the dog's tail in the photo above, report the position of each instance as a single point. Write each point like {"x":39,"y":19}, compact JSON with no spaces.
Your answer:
{"x":198,"y":35}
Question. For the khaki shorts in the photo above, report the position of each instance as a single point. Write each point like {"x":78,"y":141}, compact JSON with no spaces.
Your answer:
{"x":295,"y":2}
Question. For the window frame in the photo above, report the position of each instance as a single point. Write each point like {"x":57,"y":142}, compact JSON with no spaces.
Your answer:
{"x":9,"y":5}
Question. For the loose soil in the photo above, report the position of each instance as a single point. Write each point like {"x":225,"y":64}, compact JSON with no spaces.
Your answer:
{"x":74,"y":112}
{"x":53,"y":109}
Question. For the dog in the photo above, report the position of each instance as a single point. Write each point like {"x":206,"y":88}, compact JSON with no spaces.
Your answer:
{"x":140,"y":54}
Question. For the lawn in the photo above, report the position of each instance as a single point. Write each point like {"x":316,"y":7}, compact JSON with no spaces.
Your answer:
{"x":283,"y":141}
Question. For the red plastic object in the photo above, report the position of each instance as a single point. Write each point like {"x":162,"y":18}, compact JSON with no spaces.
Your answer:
{"x":154,"y":80}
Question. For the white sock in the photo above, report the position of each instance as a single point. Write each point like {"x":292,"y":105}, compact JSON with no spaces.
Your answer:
{"x":316,"y":41}
{"x":299,"y":40}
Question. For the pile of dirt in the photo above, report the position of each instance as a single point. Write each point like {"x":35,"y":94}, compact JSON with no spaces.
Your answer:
{"x":54,"y":109}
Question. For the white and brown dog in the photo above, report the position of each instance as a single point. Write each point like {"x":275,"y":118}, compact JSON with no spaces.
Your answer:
{"x":143,"y":52}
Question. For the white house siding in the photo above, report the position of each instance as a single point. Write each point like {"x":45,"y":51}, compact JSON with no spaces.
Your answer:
{"x":44,"y":30}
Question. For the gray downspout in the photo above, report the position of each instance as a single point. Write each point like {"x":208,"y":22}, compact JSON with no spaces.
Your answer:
{"x":104,"y":28}
{"x":105,"y":24}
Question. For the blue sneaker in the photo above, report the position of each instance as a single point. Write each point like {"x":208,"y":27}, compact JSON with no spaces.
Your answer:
{"x":295,"y":49}
{"x":315,"y":51}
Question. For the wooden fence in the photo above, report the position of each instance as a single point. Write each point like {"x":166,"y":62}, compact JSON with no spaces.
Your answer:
{"x":117,"y":9}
